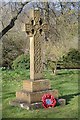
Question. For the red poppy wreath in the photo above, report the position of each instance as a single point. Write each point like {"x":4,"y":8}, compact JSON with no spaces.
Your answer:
{"x":48,"y":101}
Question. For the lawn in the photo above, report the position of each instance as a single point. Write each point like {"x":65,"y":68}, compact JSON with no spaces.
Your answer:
{"x":66,"y":81}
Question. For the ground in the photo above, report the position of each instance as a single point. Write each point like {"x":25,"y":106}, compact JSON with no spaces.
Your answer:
{"x":66,"y":81}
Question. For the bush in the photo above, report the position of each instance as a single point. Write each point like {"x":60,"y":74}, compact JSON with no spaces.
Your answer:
{"x":21,"y":62}
{"x":72,"y":59}
{"x":10,"y":51}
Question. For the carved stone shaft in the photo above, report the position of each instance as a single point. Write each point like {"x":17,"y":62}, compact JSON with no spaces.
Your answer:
{"x":34,"y":30}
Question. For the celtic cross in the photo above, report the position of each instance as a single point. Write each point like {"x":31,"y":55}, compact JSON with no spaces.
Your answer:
{"x":34,"y":29}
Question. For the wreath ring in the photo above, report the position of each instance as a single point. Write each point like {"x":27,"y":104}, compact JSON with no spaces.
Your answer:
{"x":48,"y":100}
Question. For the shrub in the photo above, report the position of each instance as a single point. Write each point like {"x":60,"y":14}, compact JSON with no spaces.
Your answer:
{"x":72,"y":59}
{"x":21,"y":62}
{"x":10,"y":51}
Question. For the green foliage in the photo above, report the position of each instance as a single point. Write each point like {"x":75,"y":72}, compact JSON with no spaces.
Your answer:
{"x":51,"y":65}
{"x":72,"y":58}
{"x":21,"y":62}
{"x":10,"y":52}
{"x":73,"y":55}
{"x":69,"y":60}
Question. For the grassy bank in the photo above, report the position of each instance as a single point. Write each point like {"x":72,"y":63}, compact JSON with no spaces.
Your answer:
{"x":66,"y":81}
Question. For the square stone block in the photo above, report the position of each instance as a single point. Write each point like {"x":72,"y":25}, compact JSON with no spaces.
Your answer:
{"x":32,"y":97}
{"x":37,"y":85}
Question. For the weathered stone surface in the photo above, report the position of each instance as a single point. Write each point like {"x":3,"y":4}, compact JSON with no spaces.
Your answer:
{"x":36,"y":105}
{"x":37,"y":85}
{"x":26,"y":105}
{"x":32,"y":97}
{"x":62,"y":102}
{"x":34,"y":29}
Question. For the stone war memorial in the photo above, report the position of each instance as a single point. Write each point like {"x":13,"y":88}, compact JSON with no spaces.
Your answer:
{"x":33,"y":89}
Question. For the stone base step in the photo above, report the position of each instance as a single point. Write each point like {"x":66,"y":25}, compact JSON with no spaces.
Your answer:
{"x":32,"y":106}
{"x":26,"y":105}
{"x":32,"y":97}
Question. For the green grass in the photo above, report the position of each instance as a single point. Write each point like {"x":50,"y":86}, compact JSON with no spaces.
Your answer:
{"x":66,"y":81}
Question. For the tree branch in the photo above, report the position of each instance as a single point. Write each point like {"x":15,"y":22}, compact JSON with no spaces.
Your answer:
{"x":12,"y":22}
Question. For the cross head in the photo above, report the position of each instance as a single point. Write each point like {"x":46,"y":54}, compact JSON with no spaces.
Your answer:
{"x":36,"y":24}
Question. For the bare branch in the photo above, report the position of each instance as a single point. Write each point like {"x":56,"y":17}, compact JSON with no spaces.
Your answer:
{"x":12,"y":22}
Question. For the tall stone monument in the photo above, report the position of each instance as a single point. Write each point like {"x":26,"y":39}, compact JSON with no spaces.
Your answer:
{"x":34,"y":30}
{"x":37,"y":86}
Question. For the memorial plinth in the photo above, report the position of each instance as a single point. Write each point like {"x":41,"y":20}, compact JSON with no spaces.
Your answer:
{"x":32,"y":92}
{"x":35,"y":86}
{"x":32,"y":97}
